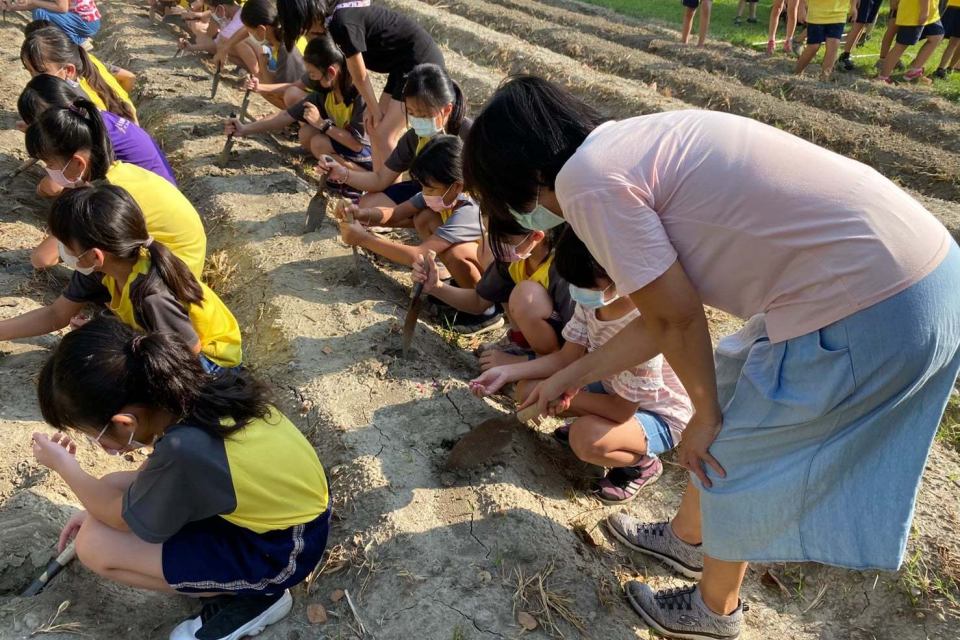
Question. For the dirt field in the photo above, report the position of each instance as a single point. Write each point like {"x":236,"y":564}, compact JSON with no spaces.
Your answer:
{"x":427,"y":554}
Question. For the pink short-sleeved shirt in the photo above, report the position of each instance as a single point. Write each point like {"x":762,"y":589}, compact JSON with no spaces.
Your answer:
{"x":653,"y":383}
{"x":761,"y":221}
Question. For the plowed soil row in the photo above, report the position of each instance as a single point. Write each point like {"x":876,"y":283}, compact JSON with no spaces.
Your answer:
{"x":920,"y":165}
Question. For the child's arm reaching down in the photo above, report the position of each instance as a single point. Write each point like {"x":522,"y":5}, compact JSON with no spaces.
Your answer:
{"x":466,"y":300}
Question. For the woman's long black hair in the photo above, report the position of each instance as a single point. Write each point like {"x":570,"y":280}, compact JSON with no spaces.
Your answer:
{"x":525,"y":134}
{"x":106,"y":217}
{"x":322,"y":52}
{"x":42,"y":92}
{"x":51,"y":45}
{"x":432,"y":87}
{"x":299,"y":16}
{"x":107,"y":365}
{"x":60,"y":132}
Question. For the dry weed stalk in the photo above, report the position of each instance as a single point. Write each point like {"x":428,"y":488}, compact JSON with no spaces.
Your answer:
{"x":69,"y":628}
{"x":533,"y":595}
{"x":219,"y":273}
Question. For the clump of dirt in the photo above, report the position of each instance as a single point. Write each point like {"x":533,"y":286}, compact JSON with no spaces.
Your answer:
{"x":423,"y":552}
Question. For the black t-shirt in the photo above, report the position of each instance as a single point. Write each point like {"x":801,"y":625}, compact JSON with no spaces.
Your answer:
{"x":497,"y":284}
{"x":388,"y":41}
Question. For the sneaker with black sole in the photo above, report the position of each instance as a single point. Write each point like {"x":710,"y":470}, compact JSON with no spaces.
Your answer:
{"x":845,"y":62}
{"x":234,"y":617}
{"x":752,"y":21}
{"x":940,"y":74}
{"x":468,"y":324}
{"x":682,"y":613}
{"x":657,"y":539}
{"x":738,"y":20}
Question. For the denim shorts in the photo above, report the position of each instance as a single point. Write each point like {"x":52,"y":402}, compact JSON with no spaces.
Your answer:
{"x":825,"y":436}
{"x":912,"y":35}
{"x":213,"y":368}
{"x":659,"y":438}
{"x":820,"y":33}
{"x":70,"y":23}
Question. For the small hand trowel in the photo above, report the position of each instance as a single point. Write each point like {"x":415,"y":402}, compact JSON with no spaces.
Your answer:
{"x":51,"y":571}
{"x":413,"y":312}
{"x":225,"y":154}
{"x":317,"y":209}
{"x":216,"y":82}
{"x":488,"y":438}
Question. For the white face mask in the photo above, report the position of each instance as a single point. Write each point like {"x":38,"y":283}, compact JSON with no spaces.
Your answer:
{"x":115,"y":452}
{"x":72,"y":261}
{"x":60,"y":178}
{"x":425,"y":127}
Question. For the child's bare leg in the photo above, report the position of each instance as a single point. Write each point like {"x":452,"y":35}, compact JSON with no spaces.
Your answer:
{"x":829,"y":57}
{"x":306,"y":134}
{"x":955,"y":61}
{"x":121,"y":556}
{"x":890,"y":62}
{"x":806,"y":56}
{"x":929,"y":46}
{"x":247,"y":56}
{"x":126,"y":79}
{"x":606,"y":443}
{"x":687,"y":24}
{"x":530,"y":307}
{"x":706,"y":6}
{"x":740,"y":8}
{"x":775,"y":11}
{"x":47,"y":254}
{"x":855,"y":30}
{"x":888,"y":37}
{"x":463,"y":263}
{"x":753,"y":10}
{"x":792,"y":10}
{"x":319,"y":144}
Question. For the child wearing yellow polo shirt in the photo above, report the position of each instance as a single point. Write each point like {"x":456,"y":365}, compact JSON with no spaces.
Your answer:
{"x":232,"y":504}
{"x":101,"y":229}
{"x":950,"y":61}
{"x":825,"y":22}
{"x":916,"y":20}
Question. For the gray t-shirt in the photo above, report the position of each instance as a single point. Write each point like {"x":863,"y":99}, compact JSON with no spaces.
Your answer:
{"x":403,"y":156}
{"x":318,"y":99}
{"x":463,"y":225}
{"x":289,"y":66}
{"x":186,"y":478}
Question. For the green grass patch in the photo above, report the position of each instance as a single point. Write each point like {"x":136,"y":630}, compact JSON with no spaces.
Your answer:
{"x":670,"y":13}
{"x":949,"y":431}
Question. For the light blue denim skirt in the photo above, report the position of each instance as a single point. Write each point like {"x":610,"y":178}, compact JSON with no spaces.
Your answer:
{"x":825,"y":436}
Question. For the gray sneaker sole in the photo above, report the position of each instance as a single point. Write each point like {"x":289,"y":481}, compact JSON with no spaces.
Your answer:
{"x":673,"y":563}
{"x":670,"y":633}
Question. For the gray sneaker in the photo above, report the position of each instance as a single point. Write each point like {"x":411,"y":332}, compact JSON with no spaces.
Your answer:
{"x":657,"y":539}
{"x":681,"y":613}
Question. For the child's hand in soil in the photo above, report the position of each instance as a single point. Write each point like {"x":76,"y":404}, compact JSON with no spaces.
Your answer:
{"x":352,"y":233}
{"x":56,"y":452}
{"x":425,"y":272}
{"x":495,"y":358}
{"x":489,"y":382}
{"x":311,"y":114}
{"x":252,"y":83}
{"x":70,"y":529}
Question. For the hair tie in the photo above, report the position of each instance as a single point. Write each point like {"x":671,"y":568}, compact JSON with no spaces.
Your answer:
{"x":77,"y":110}
{"x":135,"y":344}
{"x":148,"y":242}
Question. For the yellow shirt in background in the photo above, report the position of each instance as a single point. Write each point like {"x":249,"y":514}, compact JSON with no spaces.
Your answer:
{"x":113,"y":84}
{"x":908,"y":14}
{"x":827,"y":11}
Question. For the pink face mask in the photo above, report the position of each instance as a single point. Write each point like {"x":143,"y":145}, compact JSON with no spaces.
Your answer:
{"x":510,"y":253}
{"x":61,"y":180}
{"x":436,"y":202}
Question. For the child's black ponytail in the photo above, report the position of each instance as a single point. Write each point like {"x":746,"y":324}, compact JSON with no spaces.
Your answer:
{"x":51,"y":45}
{"x":575,"y":263}
{"x":299,"y":16}
{"x":432,"y":87}
{"x":106,"y":217}
{"x":322,"y":52}
{"x":60,"y":132}
{"x":106,"y":365}
{"x":41,"y":93}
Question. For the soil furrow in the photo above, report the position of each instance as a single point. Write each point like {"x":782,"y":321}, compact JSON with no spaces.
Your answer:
{"x":925,"y":168}
{"x":775,"y":76}
{"x":719,"y":56}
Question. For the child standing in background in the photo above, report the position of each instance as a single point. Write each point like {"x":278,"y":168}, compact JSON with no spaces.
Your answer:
{"x":916,"y":20}
{"x":232,"y":503}
{"x":753,"y":12}
{"x":825,"y":22}
{"x":623,"y":422}
{"x":867,"y":12}
{"x":793,"y":7}
{"x":79,"y":19}
{"x":951,"y":54}
{"x":690,"y":11}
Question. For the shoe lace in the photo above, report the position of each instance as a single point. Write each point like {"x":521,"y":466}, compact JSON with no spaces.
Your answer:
{"x":680,"y":598}
{"x":653,"y":528}
{"x":212,"y":606}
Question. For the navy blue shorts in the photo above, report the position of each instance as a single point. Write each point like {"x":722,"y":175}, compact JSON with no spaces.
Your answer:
{"x":692,"y":4}
{"x":913,"y":35}
{"x":362,"y":158}
{"x":819,"y":33}
{"x":951,"y":22}
{"x":215,"y":555}
{"x":868,"y":11}
{"x":402,"y":191}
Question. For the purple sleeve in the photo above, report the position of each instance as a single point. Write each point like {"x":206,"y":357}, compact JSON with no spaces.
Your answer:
{"x":134,"y":145}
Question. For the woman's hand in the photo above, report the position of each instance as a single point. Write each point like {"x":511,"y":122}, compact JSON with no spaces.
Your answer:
{"x":335,"y":171}
{"x":426,"y":273}
{"x":252,"y":84}
{"x":70,"y":529}
{"x":312,"y":115}
{"x":557,"y":387}
{"x":56,"y":452}
{"x":695,"y":448}
{"x":234,"y":127}
{"x":489,"y":382}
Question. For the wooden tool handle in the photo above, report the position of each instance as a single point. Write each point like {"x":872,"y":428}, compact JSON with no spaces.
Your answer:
{"x":532,"y":412}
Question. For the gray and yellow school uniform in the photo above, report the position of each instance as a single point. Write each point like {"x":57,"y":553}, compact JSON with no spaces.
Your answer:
{"x":461,"y":222}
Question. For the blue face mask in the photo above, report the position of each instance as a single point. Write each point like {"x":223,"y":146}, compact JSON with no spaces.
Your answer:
{"x":591,"y":298}
{"x":540,"y":219}
{"x":424,"y":127}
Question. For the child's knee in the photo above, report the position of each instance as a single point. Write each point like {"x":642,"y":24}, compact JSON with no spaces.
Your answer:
{"x":90,"y":547}
{"x":292,"y":95}
{"x":529,"y":299}
{"x":586,"y":435}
